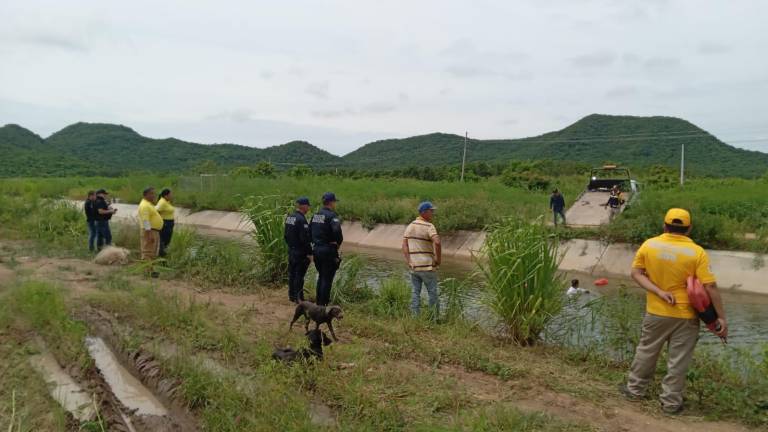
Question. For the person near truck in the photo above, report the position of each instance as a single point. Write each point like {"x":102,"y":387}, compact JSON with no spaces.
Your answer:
{"x":422,"y":251}
{"x":662,"y":266}
{"x":326,"y":238}
{"x":89,"y":207}
{"x":167,"y":211}
{"x":151,"y":224}
{"x":104,"y":212}
{"x":557,"y":205}
{"x":614,"y":202}
{"x":299,"y":240}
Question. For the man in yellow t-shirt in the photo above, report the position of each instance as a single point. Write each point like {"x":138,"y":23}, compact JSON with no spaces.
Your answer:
{"x":662,"y":266}
{"x":167,"y":211}
{"x":151,"y":224}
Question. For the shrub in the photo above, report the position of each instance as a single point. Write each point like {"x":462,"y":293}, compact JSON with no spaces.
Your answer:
{"x":268,"y":216}
{"x":522,"y":285}
{"x":393,"y":298}
{"x":349,"y":286}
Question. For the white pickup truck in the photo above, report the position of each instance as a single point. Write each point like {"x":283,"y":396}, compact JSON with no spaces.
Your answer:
{"x":589,"y":208}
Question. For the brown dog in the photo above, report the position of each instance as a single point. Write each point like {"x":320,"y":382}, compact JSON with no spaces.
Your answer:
{"x":318,"y":314}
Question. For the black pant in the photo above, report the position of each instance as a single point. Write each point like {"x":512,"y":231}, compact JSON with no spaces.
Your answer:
{"x":326,"y":262}
{"x":165,"y":236}
{"x":298,"y":263}
{"x":103,"y":234}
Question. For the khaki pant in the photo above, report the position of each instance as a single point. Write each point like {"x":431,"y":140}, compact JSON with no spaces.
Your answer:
{"x":150,"y":244}
{"x":681,"y":336}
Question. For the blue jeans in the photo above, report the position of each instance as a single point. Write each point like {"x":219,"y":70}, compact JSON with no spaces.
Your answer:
{"x":104,"y":235}
{"x":429,"y":279}
{"x":91,"y":235}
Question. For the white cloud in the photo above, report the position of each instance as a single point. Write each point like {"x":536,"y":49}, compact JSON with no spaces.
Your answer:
{"x":255,"y":71}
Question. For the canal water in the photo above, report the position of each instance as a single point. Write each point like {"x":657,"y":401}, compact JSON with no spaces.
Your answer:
{"x":747,"y":313}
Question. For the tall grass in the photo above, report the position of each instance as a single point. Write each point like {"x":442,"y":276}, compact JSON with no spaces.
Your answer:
{"x":393,"y":298}
{"x":521,"y":284}
{"x":268,"y":216}
{"x":349,"y":287}
{"x":214,"y":262}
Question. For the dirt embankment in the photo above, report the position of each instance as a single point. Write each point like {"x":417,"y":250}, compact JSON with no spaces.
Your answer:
{"x":271,"y":310}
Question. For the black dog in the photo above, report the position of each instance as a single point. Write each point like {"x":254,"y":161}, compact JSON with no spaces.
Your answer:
{"x":317,"y":339}
{"x":318,"y":314}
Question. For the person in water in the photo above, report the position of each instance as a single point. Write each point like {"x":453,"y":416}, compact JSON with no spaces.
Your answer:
{"x":662,"y":266}
{"x":574,"y":289}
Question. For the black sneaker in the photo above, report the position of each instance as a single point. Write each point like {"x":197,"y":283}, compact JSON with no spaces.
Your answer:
{"x":628,"y":395}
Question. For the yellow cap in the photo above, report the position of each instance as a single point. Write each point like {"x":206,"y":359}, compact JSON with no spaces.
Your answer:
{"x":678,"y":217}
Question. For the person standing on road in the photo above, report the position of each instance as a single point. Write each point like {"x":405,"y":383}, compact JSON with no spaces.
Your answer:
{"x":104,"y":213}
{"x":422,"y":251}
{"x":557,"y":205}
{"x":662,"y":266}
{"x":151,"y":224}
{"x":327,"y":238}
{"x":167,"y":212}
{"x":614,"y":203}
{"x":89,"y":206}
{"x":299,"y":239}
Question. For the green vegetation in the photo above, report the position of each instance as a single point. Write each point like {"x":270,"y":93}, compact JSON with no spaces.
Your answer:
{"x":638,"y":142}
{"x":110,"y":150}
{"x":631,"y":141}
{"x":268,"y":217}
{"x":522,"y":285}
{"x":722,"y":210}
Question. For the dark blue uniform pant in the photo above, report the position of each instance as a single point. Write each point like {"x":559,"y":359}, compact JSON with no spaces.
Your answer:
{"x":298,"y":263}
{"x":103,"y":234}
{"x":326,"y":262}
{"x":92,"y":235}
{"x":165,"y":236}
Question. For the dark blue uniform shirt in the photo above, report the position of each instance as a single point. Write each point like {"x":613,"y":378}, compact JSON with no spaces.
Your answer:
{"x":297,"y":234}
{"x":326,"y":228}
{"x":557,"y":203}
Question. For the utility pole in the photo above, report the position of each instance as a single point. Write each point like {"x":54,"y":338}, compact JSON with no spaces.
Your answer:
{"x":682,"y":164}
{"x":464,"y":158}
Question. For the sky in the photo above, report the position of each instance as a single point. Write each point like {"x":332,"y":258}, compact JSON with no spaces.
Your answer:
{"x":340,"y":74}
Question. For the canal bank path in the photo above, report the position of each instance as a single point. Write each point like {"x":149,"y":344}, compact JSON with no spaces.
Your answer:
{"x":736,"y":271}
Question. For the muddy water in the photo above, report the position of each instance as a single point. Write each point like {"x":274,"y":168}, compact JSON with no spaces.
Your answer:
{"x":129,"y":390}
{"x":747,"y":313}
{"x":63,"y":388}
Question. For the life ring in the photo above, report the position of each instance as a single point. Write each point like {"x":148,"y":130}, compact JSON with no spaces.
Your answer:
{"x":601,"y":282}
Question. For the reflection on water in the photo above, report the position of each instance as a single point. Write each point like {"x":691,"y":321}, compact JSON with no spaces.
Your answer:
{"x":747,"y":313}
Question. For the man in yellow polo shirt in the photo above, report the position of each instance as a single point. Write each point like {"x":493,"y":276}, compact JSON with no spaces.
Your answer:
{"x":151,"y":224}
{"x":662,"y":266}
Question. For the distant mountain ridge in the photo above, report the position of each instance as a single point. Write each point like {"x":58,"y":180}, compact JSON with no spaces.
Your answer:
{"x":109,"y":149}
{"x":595,"y":139}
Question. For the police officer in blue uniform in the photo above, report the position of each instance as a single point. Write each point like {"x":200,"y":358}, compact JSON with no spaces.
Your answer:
{"x":327,"y":238}
{"x":299,"y":240}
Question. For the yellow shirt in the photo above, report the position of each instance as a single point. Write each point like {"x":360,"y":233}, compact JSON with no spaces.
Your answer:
{"x":148,"y":213}
{"x":421,"y":250}
{"x":668,"y":260}
{"x":165,"y":208}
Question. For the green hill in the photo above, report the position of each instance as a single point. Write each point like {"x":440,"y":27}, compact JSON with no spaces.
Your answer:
{"x":108,"y":149}
{"x":595,"y":139}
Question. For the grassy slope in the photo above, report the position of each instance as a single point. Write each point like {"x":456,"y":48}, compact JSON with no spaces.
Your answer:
{"x":595,"y":139}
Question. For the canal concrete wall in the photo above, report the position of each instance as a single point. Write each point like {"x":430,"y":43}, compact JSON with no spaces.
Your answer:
{"x":737,"y":271}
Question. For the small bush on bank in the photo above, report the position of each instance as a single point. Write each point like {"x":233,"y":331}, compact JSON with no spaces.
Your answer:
{"x":521,"y":281}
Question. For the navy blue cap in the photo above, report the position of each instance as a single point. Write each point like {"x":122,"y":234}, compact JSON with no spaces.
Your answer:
{"x":426,"y":205}
{"x":302,"y":201}
{"x":102,"y":191}
{"x":329,"y":196}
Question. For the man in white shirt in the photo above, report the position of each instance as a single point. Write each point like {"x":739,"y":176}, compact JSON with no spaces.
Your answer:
{"x":574,"y":289}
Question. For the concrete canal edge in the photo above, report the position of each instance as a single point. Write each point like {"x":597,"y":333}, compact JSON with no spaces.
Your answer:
{"x":735,"y":271}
